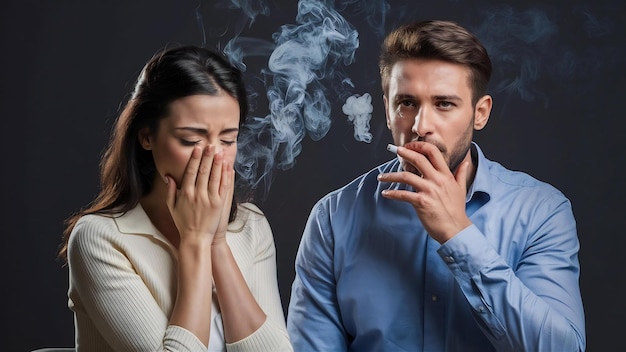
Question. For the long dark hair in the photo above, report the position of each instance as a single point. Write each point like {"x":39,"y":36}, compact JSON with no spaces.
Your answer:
{"x":127,"y":171}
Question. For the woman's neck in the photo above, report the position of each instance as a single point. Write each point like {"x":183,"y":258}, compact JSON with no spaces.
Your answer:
{"x":155,"y":206}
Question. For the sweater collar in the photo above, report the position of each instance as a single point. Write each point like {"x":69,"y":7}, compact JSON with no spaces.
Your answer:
{"x":137,"y":222}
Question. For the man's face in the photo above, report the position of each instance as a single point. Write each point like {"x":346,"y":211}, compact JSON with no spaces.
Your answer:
{"x":431,"y":100}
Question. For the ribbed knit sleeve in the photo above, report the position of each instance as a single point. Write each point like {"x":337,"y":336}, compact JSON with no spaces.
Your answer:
{"x":255,"y":253}
{"x":120,"y":291}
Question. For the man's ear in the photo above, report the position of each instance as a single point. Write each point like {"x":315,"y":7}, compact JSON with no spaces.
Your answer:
{"x":482,"y":112}
{"x":145,"y":138}
{"x":386,"y":102}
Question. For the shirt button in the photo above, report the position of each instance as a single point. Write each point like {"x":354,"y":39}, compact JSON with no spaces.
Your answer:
{"x":481,"y":309}
{"x":434,"y":298}
{"x":448,"y":259}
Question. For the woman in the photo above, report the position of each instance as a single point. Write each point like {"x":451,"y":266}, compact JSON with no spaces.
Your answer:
{"x":165,"y":258}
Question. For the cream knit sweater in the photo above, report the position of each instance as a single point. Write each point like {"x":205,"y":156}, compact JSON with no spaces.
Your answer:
{"x":123,"y":284}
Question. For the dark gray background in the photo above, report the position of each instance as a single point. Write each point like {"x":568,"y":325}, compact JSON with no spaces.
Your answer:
{"x":67,"y":65}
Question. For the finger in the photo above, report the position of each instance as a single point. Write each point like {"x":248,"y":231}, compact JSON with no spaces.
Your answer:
{"x":227,"y":186}
{"x":227,"y":190}
{"x":228,"y":182}
{"x":405,"y":177}
{"x":204,"y":170}
{"x":191,"y":171}
{"x":216,"y":174}
{"x":426,"y":157}
{"x":415,"y":198}
{"x":435,"y":157}
{"x":170,"y":200}
{"x":414,"y":161}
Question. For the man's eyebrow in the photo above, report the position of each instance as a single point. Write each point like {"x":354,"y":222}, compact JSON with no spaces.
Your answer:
{"x":398,"y":97}
{"x":403,"y":96}
{"x":447,"y":97}
{"x":204,"y":131}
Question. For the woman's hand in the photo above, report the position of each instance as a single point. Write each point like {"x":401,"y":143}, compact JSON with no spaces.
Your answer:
{"x":228,"y":182}
{"x":206,"y":188}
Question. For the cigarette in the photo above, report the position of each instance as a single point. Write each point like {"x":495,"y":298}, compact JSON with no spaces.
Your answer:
{"x":392,"y":148}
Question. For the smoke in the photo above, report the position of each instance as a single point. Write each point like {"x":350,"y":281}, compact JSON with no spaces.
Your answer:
{"x":530,"y":50}
{"x":220,"y":25}
{"x":373,"y":12}
{"x":240,"y":48}
{"x":515,"y":41}
{"x":304,"y":65}
{"x":359,"y":110}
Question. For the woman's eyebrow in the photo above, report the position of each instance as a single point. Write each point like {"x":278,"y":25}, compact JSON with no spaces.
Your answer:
{"x":204,"y":131}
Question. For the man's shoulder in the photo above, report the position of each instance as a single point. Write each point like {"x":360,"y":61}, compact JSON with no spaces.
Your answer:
{"x":509,"y":180}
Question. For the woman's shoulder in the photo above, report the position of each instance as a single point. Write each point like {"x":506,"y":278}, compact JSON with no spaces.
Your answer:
{"x":90,"y":222}
{"x":249,"y":217}
{"x":94,"y":227}
{"x":250,"y":209}
{"x":92,"y":234}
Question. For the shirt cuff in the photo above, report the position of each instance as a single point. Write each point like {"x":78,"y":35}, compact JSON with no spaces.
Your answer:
{"x":469,"y":251}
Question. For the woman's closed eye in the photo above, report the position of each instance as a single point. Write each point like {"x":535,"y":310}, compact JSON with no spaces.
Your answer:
{"x":188,"y":143}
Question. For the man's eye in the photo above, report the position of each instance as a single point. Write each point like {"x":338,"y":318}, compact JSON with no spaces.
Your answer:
{"x":406,"y":108}
{"x":445,"y":104}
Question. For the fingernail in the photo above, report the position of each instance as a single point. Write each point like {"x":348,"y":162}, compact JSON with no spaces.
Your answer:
{"x":166,"y":180}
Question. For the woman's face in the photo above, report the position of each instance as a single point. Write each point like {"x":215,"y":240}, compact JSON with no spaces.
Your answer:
{"x":201,"y":120}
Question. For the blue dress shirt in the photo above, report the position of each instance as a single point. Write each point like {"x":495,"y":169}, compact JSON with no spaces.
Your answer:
{"x":369,"y":278}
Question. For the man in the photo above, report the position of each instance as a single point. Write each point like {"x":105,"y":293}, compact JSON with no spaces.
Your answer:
{"x":439,"y":249}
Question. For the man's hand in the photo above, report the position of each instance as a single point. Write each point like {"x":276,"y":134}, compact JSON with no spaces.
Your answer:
{"x":439,"y":196}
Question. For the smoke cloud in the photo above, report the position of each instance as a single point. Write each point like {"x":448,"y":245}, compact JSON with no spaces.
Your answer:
{"x":304,"y":64}
{"x":359,"y":110}
{"x":303,"y":73}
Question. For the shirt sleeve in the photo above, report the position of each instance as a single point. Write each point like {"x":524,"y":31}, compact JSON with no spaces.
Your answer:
{"x":313,"y":319}
{"x":115,"y":298}
{"x":535,"y":303}
{"x":263,"y":283}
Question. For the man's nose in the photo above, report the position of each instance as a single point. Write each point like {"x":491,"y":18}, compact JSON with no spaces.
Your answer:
{"x":421,"y":125}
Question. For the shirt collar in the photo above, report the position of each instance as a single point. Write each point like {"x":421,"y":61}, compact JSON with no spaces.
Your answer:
{"x":482,"y":179}
{"x":137,"y":222}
